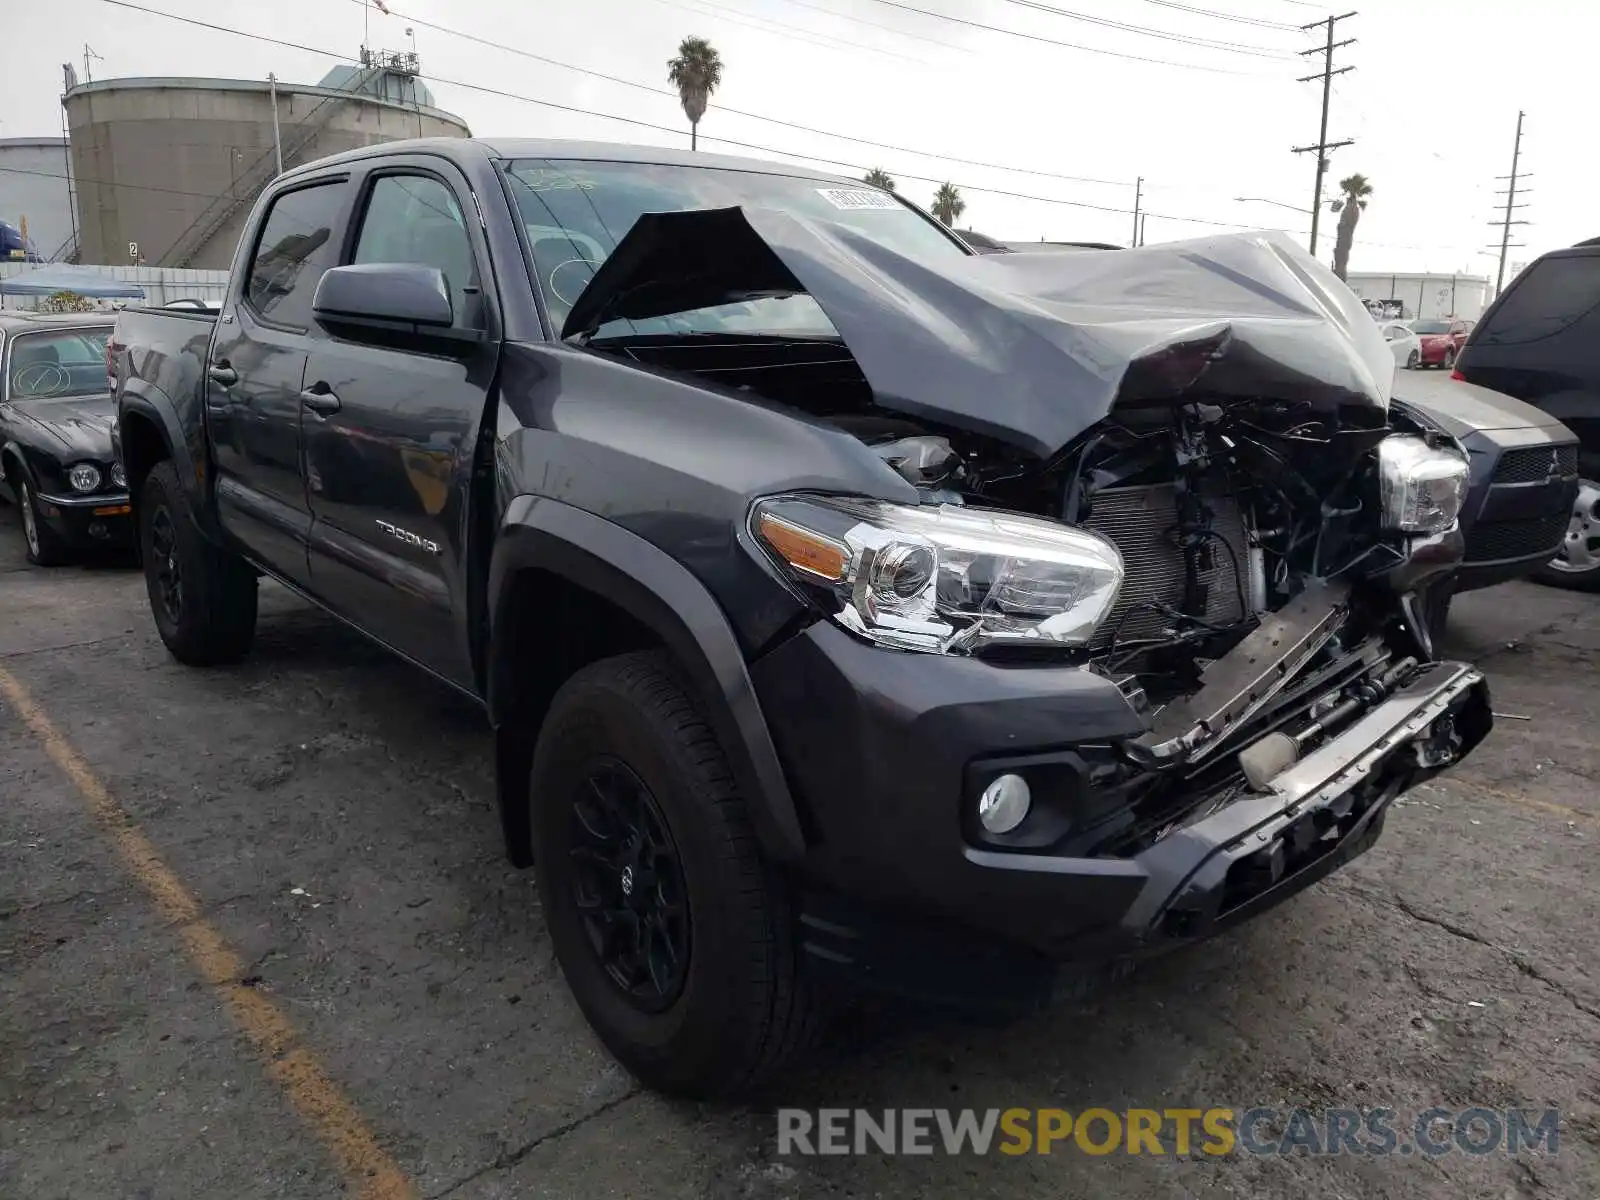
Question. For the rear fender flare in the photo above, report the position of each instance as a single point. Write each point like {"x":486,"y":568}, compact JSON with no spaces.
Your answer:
{"x":155,"y":409}
{"x":661,"y":594}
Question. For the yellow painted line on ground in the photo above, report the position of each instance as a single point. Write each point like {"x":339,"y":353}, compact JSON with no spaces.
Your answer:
{"x":371,"y":1173}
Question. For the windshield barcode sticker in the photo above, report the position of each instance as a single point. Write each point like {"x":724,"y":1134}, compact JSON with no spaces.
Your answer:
{"x":851,"y":199}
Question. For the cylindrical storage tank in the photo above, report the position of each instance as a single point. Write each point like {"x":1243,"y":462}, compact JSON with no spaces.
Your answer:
{"x":34,"y":194}
{"x":166,"y":169}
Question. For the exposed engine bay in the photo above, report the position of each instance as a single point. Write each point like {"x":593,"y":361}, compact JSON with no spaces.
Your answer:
{"x":1216,"y":411}
{"x":1261,"y":609}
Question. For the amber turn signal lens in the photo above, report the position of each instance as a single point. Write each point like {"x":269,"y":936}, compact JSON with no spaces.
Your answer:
{"x":807,"y":551}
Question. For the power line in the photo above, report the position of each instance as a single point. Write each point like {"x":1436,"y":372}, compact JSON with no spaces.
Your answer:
{"x":1260,"y":22}
{"x":1145,"y":31}
{"x":754,"y":116}
{"x":667,"y":129}
{"x":1322,"y":145}
{"x":876,"y":25}
{"x":136,"y":187}
{"x":751,"y":21}
{"x":1033,"y":37}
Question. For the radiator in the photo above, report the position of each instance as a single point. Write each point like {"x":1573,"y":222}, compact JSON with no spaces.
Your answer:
{"x":1142,"y":521}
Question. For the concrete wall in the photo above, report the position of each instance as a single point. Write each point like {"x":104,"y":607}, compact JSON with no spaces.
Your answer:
{"x":1425,"y":296}
{"x":151,"y":157}
{"x":161,"y":285}
{"x":32,"y":186}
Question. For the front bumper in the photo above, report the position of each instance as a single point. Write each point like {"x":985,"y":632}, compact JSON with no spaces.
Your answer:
{"x":92,"y":520}
{"x":1524,"y":484}
{"x":897,"y":897}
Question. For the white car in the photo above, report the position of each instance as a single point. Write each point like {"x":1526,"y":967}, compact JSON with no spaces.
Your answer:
{"x":1404,"y":344}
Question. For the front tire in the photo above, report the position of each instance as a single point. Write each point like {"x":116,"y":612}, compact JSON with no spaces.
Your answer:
{"x":45,"y":546}
{"x":1576,"y":566}
{"x":676,"y":939}
{"x":202,"y":597}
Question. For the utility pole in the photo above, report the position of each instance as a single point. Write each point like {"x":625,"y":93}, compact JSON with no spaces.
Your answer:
{"x":1323,"y":145}
{"x":1138,"y":196}
{"x":1506,"y":222}
{"x":277,"y":138}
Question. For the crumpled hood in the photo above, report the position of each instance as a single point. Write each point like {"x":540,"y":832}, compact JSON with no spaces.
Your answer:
{"x":1034,"y":347}
{"x":70,"y":427}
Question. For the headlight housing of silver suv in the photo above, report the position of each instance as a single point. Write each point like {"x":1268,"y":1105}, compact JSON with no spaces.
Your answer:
{"x":1421,"y":487}
{"x":943,"y":578}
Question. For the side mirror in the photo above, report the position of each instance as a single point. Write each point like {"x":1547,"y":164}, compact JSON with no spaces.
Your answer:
{"x":387,"y":293}
{"x":403,"y":306}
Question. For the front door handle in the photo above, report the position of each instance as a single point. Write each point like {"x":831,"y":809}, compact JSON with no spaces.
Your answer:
{"x":223,"y":374}
{"x":320,"y":398}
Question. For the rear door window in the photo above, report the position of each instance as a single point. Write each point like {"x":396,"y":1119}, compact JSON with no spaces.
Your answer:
{"x":1553,"y":295}
{"x":296,"y":246}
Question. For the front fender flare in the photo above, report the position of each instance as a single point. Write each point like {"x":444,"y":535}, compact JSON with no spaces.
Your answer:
{"x":659,"y":592}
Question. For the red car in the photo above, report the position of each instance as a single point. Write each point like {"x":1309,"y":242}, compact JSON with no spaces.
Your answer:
{"x":1441,"y":340}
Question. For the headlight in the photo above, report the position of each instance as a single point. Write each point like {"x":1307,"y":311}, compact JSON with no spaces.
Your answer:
{"x":84,"y":477}
{"x":1421,"y":486}
{"x":119,"y":477}
{"x":942,"y":578}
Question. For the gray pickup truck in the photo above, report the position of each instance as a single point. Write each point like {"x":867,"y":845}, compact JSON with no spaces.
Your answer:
{"x":849,"y":608}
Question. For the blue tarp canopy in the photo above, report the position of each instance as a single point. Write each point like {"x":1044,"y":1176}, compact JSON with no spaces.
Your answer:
{"x":83,"y":281}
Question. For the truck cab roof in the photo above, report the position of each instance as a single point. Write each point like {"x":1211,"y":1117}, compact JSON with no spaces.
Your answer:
{"x":486,"y":149}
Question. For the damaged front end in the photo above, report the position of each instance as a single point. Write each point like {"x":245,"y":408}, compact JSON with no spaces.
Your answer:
{"x":1172,"y":468}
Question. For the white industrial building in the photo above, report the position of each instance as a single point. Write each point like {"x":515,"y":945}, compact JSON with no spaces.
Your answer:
{"x":1425,"y":296}
{"x":34,"y":193}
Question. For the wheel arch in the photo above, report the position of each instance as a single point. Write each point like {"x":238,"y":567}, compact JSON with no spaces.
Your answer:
{"x":567,"y":587}
{"x":148,"y":432}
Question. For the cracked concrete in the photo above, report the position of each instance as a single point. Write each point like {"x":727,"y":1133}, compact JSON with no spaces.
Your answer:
{"x":331,"y":810}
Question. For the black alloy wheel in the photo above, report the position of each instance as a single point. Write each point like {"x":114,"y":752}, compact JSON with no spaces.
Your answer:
{"x":164,"y":569}
{"x":627,"y":885}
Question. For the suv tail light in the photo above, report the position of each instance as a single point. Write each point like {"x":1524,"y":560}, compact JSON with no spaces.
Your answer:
{"x":1458,"y":376}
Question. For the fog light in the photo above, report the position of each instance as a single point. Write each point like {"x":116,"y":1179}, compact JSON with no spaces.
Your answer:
{"x":1004,"y":804}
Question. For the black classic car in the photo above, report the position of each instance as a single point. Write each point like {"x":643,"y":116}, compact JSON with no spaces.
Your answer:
{"x":55,"y":433}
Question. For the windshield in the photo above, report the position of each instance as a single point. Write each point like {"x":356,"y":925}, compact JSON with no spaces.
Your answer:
{"x":1431,"y":327}
{"x":61,"y":362}
{"x":576,"y":212}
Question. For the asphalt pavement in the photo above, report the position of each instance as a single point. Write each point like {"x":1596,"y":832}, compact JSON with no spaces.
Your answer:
{"x":258,"y":939}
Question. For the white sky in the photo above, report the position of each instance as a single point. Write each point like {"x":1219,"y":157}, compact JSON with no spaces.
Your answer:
{"x":1432,"y":102}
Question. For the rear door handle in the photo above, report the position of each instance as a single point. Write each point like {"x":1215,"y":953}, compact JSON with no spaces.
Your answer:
{"x":222,"y":373}
{"x":320,"y":398}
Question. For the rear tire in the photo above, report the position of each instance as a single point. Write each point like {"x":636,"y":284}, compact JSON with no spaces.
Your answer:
{"x":1449,"y":360}
{"x":1576,"y":566}
{"x":728,"y":1006}
{"x":203,"y":598}
{"x":46,"y":548}
{"x":1413,"y":360}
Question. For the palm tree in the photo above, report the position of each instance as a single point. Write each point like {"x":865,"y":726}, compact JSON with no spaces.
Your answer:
{"x":948,"y":204}
{"x":696,"y":72}
{"x":1356,"y":189}
{"x":879,"y":178}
